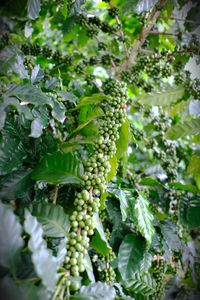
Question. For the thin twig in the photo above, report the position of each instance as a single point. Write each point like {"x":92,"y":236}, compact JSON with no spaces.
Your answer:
{"x":120,"y":31}
{"x":180,"y":19}
{"x":162,"y":33}
{"x":55,"y":194}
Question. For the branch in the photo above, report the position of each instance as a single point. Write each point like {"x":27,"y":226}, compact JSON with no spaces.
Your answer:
{"x":181,"y":20}
{"x":55,"y":195}
{"x":143,"y":34}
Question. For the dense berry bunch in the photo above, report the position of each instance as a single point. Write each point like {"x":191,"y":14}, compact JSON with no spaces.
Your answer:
{"x":158,"y":274}
{"x":96,"y":168}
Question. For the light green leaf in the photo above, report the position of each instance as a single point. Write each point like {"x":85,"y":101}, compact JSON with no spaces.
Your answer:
{"x":44,"y":262}
{"x":99,"y":241}
{"x":59,"y":168}
{"x":122,"y":142}
{"x":179,"y":130}
{"x":89,"y":112}
{"x":12,"y":153}
{"x":96,"y":291}
{"x":164,"y":98}
{"x":144,"y":218}
{"x":94,"y":99}
{"x":131,"y":253}
{"x":54,"y":220}
{"x":113,"y":170}
{"x":194,"y":165}
{"x":10,"y":236}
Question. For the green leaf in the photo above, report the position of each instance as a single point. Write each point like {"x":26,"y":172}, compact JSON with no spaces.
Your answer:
{"x":193,"y":213}
{"x":75,"y":7}
{"x":11,"y":61}
{"x":169,"y":233}
{"x":89,"y":268}
{"x":145,"y":5}
{"x":123,"y":196}
{"x":40,"y":122}
{"x":164,"y":98}
{"x":44,"y":262}
{"x":184,"y":187}
{"x":150,"y":181}
{"x":96,"y":291}
{"x":15,"y":104}
{"x":12,"y":153}
{"x":59,"y":168}
{"x":16,"y":185}
{"x":10,"y":236}
{"x":122,"y":142}
{"x":33,"y":7}
{"x":131,"y":253}
{"x":113,"y":170}
{"x":179,"y":130}
{"x":58,"y":111}
{"x":94,"y":99}
{"x":194,"y":165}
{"x":54,"y":220}
{"x":144,"y":285}
{"x":89,"y":112}
{"x":99,"y":241}
{"x":29,"y":93}
{"x":129,"y":6}
{"x":144,"y":218}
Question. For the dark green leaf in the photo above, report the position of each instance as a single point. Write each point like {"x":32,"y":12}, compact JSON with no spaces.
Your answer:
{"x":144,"y":285}
{"x":170,"y":235}
{"x":89,"y":268}
{"x":193,"y":213}
{"x":75,"y":7}
{"x":131,"y":253}
{"x":58,"y":111}
{"x":28,"y":93}
{"x":59,"y":168}
{"x":10,"y":236}
{"x":184,"y":187}
{"x":11,"y":61}
{"x":99,"y":241}
{"x":54,"y":220}
{"x":33,"y":7}
{"x":12,"y":153}
{"x":15,"y":185}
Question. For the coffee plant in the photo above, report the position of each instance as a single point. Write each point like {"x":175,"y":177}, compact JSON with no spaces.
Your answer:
{"x":99,"y":150}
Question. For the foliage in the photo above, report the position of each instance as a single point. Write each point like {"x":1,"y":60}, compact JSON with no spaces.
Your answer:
{"x":99,"y":150}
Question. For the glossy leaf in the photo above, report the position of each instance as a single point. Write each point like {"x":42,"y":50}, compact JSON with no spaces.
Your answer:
{"x":113,"y":167}
{"x":164,"y":98}
{"x":33,"y":7}
{"x":96,"y":291}
{"x":144,"y":285}
{"x":12,"y":153}
{"x":170,"y":236}
{"x":181,"y":129}
{"x":15,"y":185}
{"x":54,"y":220}
{"x":131,"y":253}
{"x":144,"y":218}
{"x":10,"y":236}
{"x":99,"y":241}
{"x":59,"y":168}
{"x":145,"y":5}
{"x":94,"y":99}
{"x":122,"y":142}
{"x":193,"y":213}
{"x":44,"y":262}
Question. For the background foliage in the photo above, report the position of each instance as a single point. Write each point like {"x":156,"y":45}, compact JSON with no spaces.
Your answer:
{"x":55,"y":58}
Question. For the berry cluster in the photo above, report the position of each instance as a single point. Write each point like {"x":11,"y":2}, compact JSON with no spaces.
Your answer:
{"x":158,"y":274}
{"x":36,"y":50}
{"x":94,"y":179}
{"x":94,"y":24}
{"x":106,"y":271}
